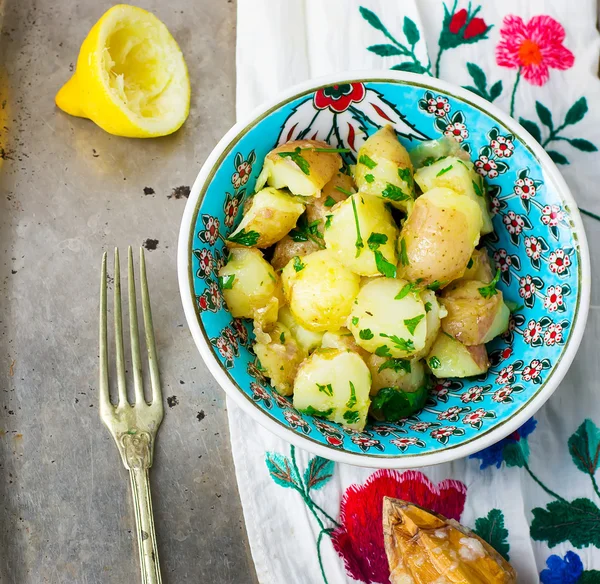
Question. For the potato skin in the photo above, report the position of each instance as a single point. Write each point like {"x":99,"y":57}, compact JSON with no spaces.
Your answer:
{"x":343,"y":339}
{"x":471,"y":318}
{"x":321,"y":293}
{"x":317,"y":210}
{"x":256,"y":288}
{"x":271,"y":214}
{"x":282,"y":172}
{"x":287,"y":248}
{"x":433,"y":318}
{"x":438,"y":237}
{"x":481,"y":268}
{"x":450,"y":358}
{"x":401,"y":379}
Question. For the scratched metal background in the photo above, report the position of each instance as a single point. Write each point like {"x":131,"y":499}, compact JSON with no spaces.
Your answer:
{"x":67,"y":192}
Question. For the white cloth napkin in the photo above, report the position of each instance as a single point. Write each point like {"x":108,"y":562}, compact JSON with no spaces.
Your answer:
{"x":284,"y":42}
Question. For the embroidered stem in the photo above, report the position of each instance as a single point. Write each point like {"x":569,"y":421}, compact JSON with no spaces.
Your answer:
{"x":514,"y":93}
{"x":328,"y":532}
{"x":551,"y":493}
{"x":325,"y":513}
{"x":554,"y":135}
{"x":437,"y":62}
{"x":303,"y":491}
{"x":595,"y":484}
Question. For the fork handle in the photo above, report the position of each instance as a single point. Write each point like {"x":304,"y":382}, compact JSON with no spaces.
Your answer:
{"x":144,"y":521}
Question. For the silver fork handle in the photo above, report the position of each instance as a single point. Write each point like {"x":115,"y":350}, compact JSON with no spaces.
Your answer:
{"x":144,"y":521}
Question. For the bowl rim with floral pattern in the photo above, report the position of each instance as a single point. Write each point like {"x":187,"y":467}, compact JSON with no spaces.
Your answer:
{"x":232,"y":389}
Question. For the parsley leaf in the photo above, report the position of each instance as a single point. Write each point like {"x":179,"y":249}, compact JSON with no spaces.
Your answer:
{"x":369,"y":178}
{"x":342,"y":190}
{"x":310,"y":411}
{"x":376,"y":239}
{"x":434,"y":362}
{"x":355,"y":320}
{"x":368,"y":162}
{"x":406,"y":175}
{"x":248,"y":239}
{"x":305,"y":231}
{"x":282,"y":337}
{"x":329,"y":201}
{"x":366,"y":334}
{"x":444,"y":170}
{"x":395,"y":404}
{"x":352,"y":401}
{"x":403,"y":255}
{"x":326,"y":389}
{"x":359,"y":244}
{"x":490,"y":290}
{"x":470,"y":264}
{"x":411,"y":323}
{"x":298,"y":264}
{"x":328,"y":219}
{"x":297,"y":158}
{"x":330,"y":150}
{"x":396,"y":364}
{"x":477,"y":189}
{"x":351,"y":416}
{"x":383,"y":266}
{"x":394,"y":193}
{"x":435,"y":285}
{"x":405,"y":345}
{"x":226,"y":282}
{"x":383,"y":351}
{"x":406,"y":290}
{"x":428,"y":306}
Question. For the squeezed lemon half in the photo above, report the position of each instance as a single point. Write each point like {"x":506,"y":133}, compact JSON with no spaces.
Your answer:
{"x":131,"y":78}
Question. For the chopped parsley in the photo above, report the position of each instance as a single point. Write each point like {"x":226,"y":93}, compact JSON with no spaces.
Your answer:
{"x":444,"y":170}
{"x":384,"y":267}
{"x":411,"y":323}
{"x":328,"y":219}
{"x":368,"y":162}
{"x":396,"y":364}
{"x":272,"y":277}
{"x":329,"y":201}
{"x":490,"y":290}
{"x":305,"y":231}
{"x":366,"y":334}
{"x":470,"y":264}
{"x":477,"y":189}
{"x":435,"y":285}
{"x":351,"y":416}
{"x":298,"y":159}
{"x":394,"y":193}
{"x":406,"y":175}
{"x":405,"y":345}
{"x":342,"y":190}
{"x":383,"y":351}
{"x":434,"y":362}
{"x":355,"y":320}
{"x":369,"y":178}
{"x":326,"y":389}
{"x":282,"y":337}
{"x":352,"y":400}
{"x":248,"y":239}
{"x":298,"y":264}
{"x":310,"y":411}
{"x":406,"y":290}
{"x":359,"y":244}
{"x":226,"y":282}
{"x":376,"y":239}
{"x":403,"y":255}
{"x":330,"y":150}
{"x":427,"y":306}
{"x":395,"y":404}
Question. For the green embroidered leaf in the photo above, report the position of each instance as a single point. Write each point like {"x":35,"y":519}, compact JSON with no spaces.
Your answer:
{"x":394,"y":193}
{"x":372,"y":19}
{"x":576,"y":112}
{"x":495,"y":90}
{"x":409,"y":67}
{"x":412,"y":323}
{"x":318,"y":472}
{"x":544,"y":114}
{"x":226,"y":282}
{"x":352,"y":400}
{"x":516,"y":453}
{"x":478,"y":76}
{"x":385,"y":50}
{"x":589,"y":577}
{"x":396,"y":364}
{"x":367,"y":161}
{"x":492,"y":530}
{"x":329,"y":201}
{"x":557,"y":157}
{"x":577,"y":522}
{"x":384,"y":267}
{"x":583,"y":145}
{"x":245,"y":238}
{"x":584,"y":446}
{"x":532,"y":128}
{"x":281,"y":471}
{"x":411,"y":31}
{"x":366,"y":334}
{"x":298,"y":264}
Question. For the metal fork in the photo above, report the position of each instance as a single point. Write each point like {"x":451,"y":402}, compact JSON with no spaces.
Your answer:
{"x":133,"y":426}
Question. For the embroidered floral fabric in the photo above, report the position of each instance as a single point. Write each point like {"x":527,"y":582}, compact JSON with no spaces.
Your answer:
{"x":534,"y":495}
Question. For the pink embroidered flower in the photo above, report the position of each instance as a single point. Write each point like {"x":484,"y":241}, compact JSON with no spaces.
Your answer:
{"x":451,"y":414}
{"x":438,"y":106}
{"x":205,"y":261}
{"x":474,"y":418}
{"x":472,"y":394}
{"x":242,"y":175}
{"x":558,"y":261}
{"x":552,"y":215}
{"x":458,"y":131}
{"x":514,"y":223}
{"x":553,"y":298}
{"x":231,"y":209}
{"x":359,"y":538}
{"x":503,"y":147}
{"x":532,"y":248}
{"x":444,"y":432}
{"x":421,"y":426}
{"x":502,"y":259}
{"x":505,"y":376}
{"x":532,"y":332}
{"x":553,"y":334}
{"x":526,"y":287}
{"x":486,"y":167}
{"x":502,"y":394}
{"x":294,"y":420}
{"x":532,"y":370}
{"x":404,"y":443}
{"x":533,"y":48}
{"x":524,"y":188}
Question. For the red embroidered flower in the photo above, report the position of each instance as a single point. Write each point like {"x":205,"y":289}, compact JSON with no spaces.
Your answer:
{"x":503,"y":394}
{"x":359,"y":538}
{"x":364,"y":442}
{"x":532,"y":332}
{"x":242,"y":175}
{"x":240,"y":330}
{"x":505,"y":376}
{"x":525,"y":188}
{"x":502,"y":259}
{"x":503,"y":147}
{"x":532,"y":370}
{"x":280,"y":400}
{"x":458,"y":131}
{"x":338,"y":98}
{"x":553,"y":298}
{"x":472,"y":394}
{"x":558,"y":261}
{"x":438,"y":106}
{"x":532,"y":248}
{"x":534,"y":48}
{"x":514,"y":223}
{"x":404,"y":443}
{"x":474,"y":418}
{"x":476,"y":27}
{"x":526,"y":287}
{"x":552,"y":215}
{"x":440,"y":388}
{"x":486,"y":167}
{"x":206,"y":262}
{"x":553,"y":334}
{"x":457,"y":21}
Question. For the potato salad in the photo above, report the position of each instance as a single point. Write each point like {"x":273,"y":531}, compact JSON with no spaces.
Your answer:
{"x":364,"y":280}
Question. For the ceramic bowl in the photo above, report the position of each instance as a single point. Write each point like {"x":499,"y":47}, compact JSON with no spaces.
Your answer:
{"x":539,"y":245}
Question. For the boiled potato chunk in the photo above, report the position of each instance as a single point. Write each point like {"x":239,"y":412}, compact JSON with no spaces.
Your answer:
{"x":280,"y":358}
{"x":334,"y":384}
{"x":307,"y":340}
{"x":405,"y":374}
{"x":479,"y":267}
{"x":287,"y":248}
{"x":320,"y":291}
{"x":251,"y":287}
{"x":318,"y":208}
{"x":434,"y":312}
{"x":386,"y":323}
{"x":438,"y":238}
{"x":384,"y":169}
{"x":459,"y":175}
{"x":450,"y":358}
{"x":298,"y":167}
{"x":362,"y":236}
{"x":342,"y":339}
{"x":271,"y":215}
{"x":429,"y":151}
{"x":476,"y":312}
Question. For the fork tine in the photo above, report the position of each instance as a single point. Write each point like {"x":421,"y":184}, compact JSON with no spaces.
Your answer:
{"x":104,"y":394}
{"x":120,"y":357}
{"x":149,"y":329}
{"x":135,"y":336}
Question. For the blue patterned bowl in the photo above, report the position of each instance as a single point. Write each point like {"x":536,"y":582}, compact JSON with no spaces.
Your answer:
{"x":539,"y":245}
